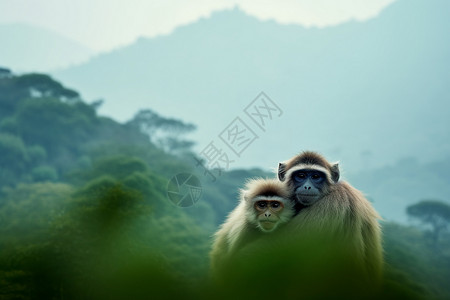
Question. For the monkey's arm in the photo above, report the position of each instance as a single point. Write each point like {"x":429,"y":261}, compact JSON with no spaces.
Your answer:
{"x":225,"y":237}
{"x":220,"y":248}
{"x":362,"y":223}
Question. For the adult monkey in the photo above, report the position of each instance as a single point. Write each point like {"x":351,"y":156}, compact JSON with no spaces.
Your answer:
{"x":264,"y":206}
{"x":333,"y":207}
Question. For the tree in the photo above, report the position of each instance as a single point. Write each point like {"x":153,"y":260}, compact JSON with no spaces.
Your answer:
{"x":13,"y":158}
{"x":163,"y":132}
{"x":54,"y":124}
{"x":41,"y":85}
{"x":12,"y":151}
{"x":15,"y":89}
{"x":433,"y":213}
{"x":27,"y":211}
{"x":4,"y":72}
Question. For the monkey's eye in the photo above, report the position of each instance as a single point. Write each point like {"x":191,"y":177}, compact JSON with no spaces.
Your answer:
{"x":275,"y":204}
{"x":261,"y":204}
{"x":300,"y":176}
{"x":317,"y":176}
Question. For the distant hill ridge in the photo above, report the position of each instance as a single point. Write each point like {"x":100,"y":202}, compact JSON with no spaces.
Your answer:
{"x":366,"y":93}
{"x":29,"y":48}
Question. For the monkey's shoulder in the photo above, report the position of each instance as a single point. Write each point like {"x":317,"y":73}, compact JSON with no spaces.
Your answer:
{"x":356,"y":199}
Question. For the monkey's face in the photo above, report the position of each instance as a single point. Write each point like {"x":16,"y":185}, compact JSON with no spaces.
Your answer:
{"x":268,"y":214}
{"x":308,"y":185}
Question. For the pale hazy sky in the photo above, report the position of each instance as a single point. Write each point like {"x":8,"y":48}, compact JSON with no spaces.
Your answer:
{"x":105,"y":24}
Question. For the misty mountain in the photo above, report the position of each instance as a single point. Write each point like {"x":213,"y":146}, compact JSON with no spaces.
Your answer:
{"x":365,"y":93}
{"x":28,"y":48}
{"x":392,"y":188}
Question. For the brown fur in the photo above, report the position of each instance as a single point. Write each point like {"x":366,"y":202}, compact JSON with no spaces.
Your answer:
{"x":240,"y":226}
{"x":308,"y":158}
{"x":342,"y":213}
{"x":313,"y":160}
{"x":264,"y":187}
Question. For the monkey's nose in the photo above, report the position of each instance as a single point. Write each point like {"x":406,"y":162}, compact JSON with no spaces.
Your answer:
{"x":307,"y":187}
{"x":267,"y":214}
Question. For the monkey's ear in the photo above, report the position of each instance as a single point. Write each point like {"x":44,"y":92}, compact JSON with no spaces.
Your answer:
{"x":244,"y":194}
{"x":335,"y":173}
{"x":281,"y":171}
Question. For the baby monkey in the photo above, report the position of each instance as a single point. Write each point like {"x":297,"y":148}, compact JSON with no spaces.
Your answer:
{"x":264,"y":206}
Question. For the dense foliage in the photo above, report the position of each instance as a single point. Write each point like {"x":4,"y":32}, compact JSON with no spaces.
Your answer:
{"x":84,"y":211}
